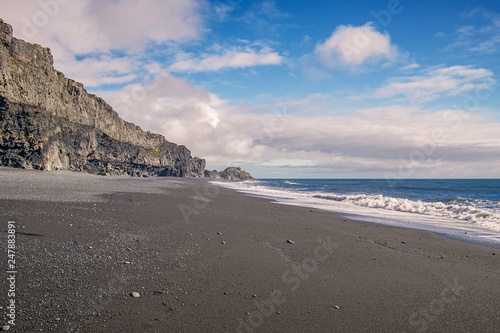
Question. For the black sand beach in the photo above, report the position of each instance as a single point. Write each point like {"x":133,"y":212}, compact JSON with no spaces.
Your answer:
{"x":209,"y":259}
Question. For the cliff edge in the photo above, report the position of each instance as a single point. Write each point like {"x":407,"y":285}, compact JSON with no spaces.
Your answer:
{"x":50,"y":122}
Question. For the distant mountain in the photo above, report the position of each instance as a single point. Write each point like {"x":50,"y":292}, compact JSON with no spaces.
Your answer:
{"x":50,"y":122}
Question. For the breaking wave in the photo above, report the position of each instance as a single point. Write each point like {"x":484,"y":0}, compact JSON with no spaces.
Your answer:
{"x":460,"y":209}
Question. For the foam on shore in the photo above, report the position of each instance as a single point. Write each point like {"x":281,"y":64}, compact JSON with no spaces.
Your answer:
{"x":459,"y":221}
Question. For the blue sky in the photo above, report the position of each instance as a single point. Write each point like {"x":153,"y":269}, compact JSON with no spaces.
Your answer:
{"x":292,"y":89}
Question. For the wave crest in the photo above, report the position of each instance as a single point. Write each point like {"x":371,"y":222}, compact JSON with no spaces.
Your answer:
{"x":457,"y":209}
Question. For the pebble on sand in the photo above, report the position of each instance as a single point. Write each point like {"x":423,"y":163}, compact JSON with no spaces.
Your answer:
{"x":5,"y":327}
{"x":289,"y":241}
{"x":135,"y":294}
{"x":337,"y":307}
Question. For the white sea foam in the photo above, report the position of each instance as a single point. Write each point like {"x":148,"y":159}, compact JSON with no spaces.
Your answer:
{"x":464,"y":214}
{"x":461,"y":211}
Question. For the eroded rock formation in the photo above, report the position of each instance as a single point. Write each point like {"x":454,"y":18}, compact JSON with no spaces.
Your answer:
{"x":230,"y":173}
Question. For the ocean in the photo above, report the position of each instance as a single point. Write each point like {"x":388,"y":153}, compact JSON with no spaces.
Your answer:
{"x":465,"y":209}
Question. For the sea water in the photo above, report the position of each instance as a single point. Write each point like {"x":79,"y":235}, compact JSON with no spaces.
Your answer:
{"x":466,"y":209}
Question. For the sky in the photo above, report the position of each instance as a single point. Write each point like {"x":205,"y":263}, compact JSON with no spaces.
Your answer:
{"x":291,"y":89}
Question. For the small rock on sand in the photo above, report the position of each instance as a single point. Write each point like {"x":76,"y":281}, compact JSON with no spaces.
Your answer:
{"x":135,"y":294}
{"x":289,"y":241}
{"x":5,"y":327}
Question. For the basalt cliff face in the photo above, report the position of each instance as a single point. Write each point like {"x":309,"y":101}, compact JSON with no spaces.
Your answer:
{"x":50,"y":122}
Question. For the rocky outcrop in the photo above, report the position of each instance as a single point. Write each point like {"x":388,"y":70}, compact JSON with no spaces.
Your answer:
{"x":50,"y":122}
{"x":230,"y":173}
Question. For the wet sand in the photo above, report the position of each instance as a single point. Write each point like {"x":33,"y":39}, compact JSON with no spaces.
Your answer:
{"x":209,"y":259}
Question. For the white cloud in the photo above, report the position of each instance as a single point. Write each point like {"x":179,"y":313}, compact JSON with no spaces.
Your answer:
{"x":232,"y":58}
{"x":98,"y":70}
{"x":434,"y":83}
{"x":410,"y":67}
{"x":349,"y":45}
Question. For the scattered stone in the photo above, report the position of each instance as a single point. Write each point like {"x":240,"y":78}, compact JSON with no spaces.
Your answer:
{"x":126,"y":262}
{"x":254,"y":296}
{"x":289,"y":241}
{"x":493,"y":254}
{"x":135,"y":294}
{"x":337,"y":307}
{"x":403,"y":242}
{"x":5,"y":327}
{"x":219,"y":233}
{"x":226,"y":293}
{"x":223,"y":242}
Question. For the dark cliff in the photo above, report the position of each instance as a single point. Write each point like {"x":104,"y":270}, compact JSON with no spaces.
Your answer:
{"x":49,"y":122}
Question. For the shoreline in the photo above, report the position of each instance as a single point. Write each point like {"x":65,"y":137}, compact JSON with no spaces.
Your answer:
{"x":206,"y":258}
{"x":457,"y":230}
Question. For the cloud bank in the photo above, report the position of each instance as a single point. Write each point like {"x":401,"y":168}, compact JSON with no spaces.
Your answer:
{"x":438,"y":82}
{"x":398,"y":141}
{"x":232,"y":58}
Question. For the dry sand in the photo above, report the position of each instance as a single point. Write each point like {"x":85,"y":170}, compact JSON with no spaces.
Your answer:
{"x":208,"y":259}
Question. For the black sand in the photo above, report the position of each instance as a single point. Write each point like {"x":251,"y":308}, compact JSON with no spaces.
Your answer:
{"x":208,"y":259}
